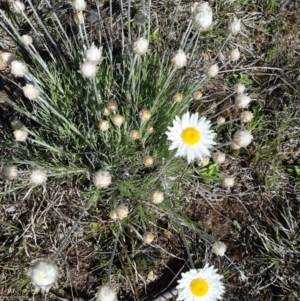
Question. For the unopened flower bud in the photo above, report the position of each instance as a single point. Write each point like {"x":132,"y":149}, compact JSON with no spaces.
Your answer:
{"x":103,"y":125}
{"x":118,"y":120}
{"x":177,"y":97}
{"x":140,"y":46}
{"x":220,"y":120}
{"x":19,"y":7}
{"x":88,"y":69}
{"x":219,"y":248}
{"x":20,"y":135}
{"x":44,"y":275}
{"x":228,"y":182}
{"x":134,"y":135}
{"x":219,"y":157}
{"x":79,"y":5}
{"x":93,"y":54}
{"x":203,"y":162}
{"x":148,"y":161}
{"x":122,"y":211}
{"x":157,"y":197}
{"x":234,"y":55}
{"x":239,"y":88}
{"x":106,"y":293}
{"x":79,"y":18}
{"x":112,"y":106}
{"x":235,"y":26}
{"x":102,"y":179}
{"x":18,"y":69}
{"x":31,"y":91}
{"x":113,"y":215}
{"x":27,"y":39}
{"x":197,"y":95}
{"x":9,"y":172}
{"x":145,"y":115}
{"x":105,"y":111}
{"x":7,"y":57}
{"x":242,"y":138}
{"x":148,"y":237}
{"x":246,"y":116}
{"x":242,"y":101}
{"x":213,"y":70}
{"x":38,"y":177}
{"x":179,"y":60}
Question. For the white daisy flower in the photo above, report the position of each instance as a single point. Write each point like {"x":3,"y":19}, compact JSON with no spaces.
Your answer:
{"x":191,"y":136}
{"x":200,"y":285}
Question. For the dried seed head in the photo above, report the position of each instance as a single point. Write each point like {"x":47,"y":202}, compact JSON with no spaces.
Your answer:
{"x":177,"y":97}
{"x":93,"y":54}
{"x":179,"y":60}
{"x":219,"y":157}
{"x":9,"y":172}
{"x":228,"y":182}
{"x":31,"y":91}
{"x":148,"y":237}
{"x":112,"y":106}
{"x":44,"y":275}
{"x":79,"y":5}
{"x":203,"y":162}
{"x":18,"y":7}
{"x":246,"y":116}
{"x":234,"y":55}
{"x":145,"y":115}
{"x":242,"y":101}
{"x":220,"y":120}
{"x":148,"y":161}
{"x":102,"y":179}
{"x":140,"y":46}
{"x":38,"y":177}
{"x":213,"y":70}
{"x":7,"y":57}
{"x":88,"y":69}
{"x":106,"y":293}
{"x":197,"y":95}
{"x":118,"y":120}
{"x":235,"y":26}
{"x":134,"y":135}
{"x":27,"y":39}
{"x":18,"y":69}
{"x":239,"y":88}
{"x":103,"y":125}
{"x":157,"y":197}
{"x":202,"y":16}
{"x":20,"y":135}
{"x":219,"y":248}
{"x":242,"y":138}
{"x":122,"y":211}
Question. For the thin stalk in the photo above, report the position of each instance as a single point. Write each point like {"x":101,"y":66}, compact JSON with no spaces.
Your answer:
{"x":112,"y":256}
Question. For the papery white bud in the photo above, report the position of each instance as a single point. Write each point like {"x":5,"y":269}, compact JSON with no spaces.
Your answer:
{"x":213,"y":70}
{"x":20,"y":135}
{"x":246,"y":116}
{"x":203,"y":162}
{"x":44,"y":275}
{"x":140,"y":46}
{"x":234,"y":146}
{"x":9,"y":172}
{"x":179,"y":60}
{"x":219,"y":248}
{"x":103,"y":125}
{"x":242,"y":101}
{"x":79,"y":5}
{"x":220,"y":120}
{"x":7,"y":57}
{"x":202,"y":16}
{"x":134,"y":135}
{"x":122,"y":211}
{"x":38,"y":176}
{"x":235,"y":26}
{"x":228,"y":182}
{"x":106,"y":293}
{"x":19,"y":7}
{"x":150,"y":129}
{"x":219,"y":157}
{"x":148,"y":161}
{"x":197,"y":95}
{"x":113,"y":215}
{"x":145,"y":115}
{"x":79,"y":18}
{"x":31,"y":92}
{"x":27,"y":39}
{"x":157,"y":197}
{"x":242,"y":138}
{"x":102,"y":179}
{"x":118,"y":120}
{"x":177,"y":97}
{"x":235,"y":55}
{"x":93,"y":54}
{"x":112,"y":106}
{"x":18,"y":69}
{"x":239,"y":88}
{"x":148,"y":237}
{"x":105,"y":111}
{"x":88,"y":69}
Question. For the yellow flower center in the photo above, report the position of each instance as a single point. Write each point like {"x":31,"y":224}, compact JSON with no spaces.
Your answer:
{"x":199,"y":287}
{"x":41,"y":277}
{"x":190,"y":136}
